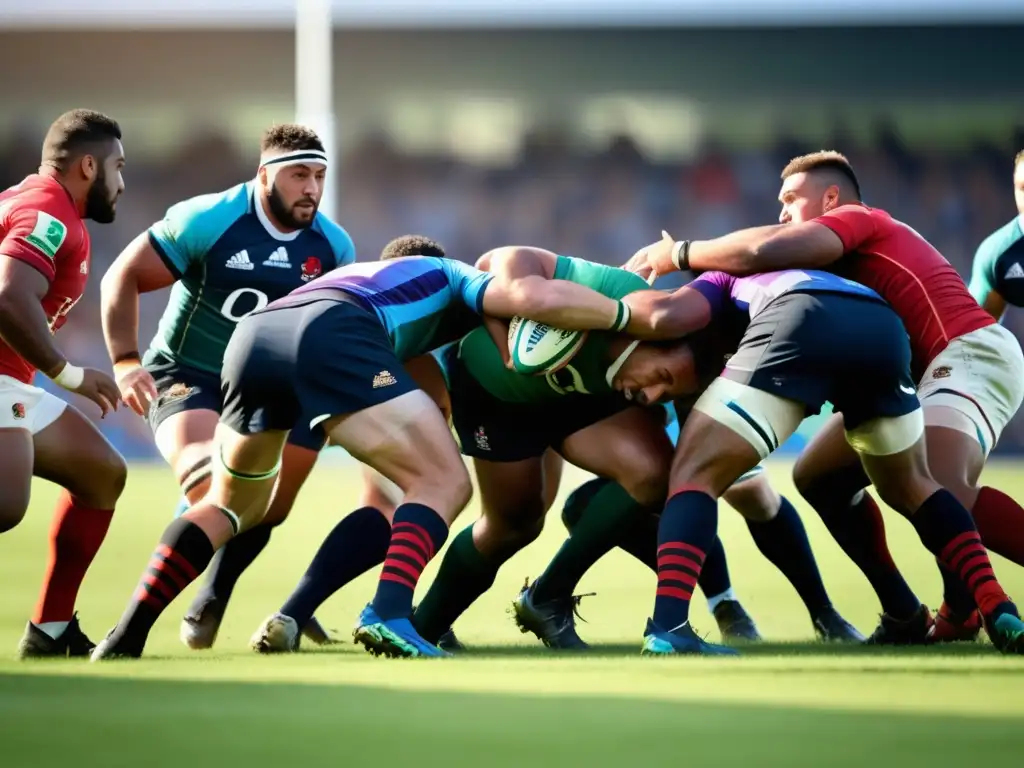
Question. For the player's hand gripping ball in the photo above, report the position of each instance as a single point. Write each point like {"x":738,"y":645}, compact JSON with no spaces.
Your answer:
{"x":539,"y":349}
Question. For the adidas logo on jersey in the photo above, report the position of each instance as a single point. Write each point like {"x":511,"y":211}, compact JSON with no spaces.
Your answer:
{"x":240,"y":261}
{"x":384,"y":379}
{"x":1015,"y":271}
{"x":278,"y":258}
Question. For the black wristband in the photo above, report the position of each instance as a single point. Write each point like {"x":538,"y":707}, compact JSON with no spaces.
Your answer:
{"x":133,"y":355}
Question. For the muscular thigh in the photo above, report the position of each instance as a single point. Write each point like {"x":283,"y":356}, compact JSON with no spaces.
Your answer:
{"x":74,"y":454}
{"x":511,"y":491}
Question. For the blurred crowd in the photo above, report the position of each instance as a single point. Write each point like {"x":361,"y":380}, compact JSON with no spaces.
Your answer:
{"x":601,"y":206}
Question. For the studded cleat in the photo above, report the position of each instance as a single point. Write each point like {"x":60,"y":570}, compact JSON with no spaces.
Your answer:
{"x":1006,"y":630}
{"x":912,"y":631}
{"x":315,"y":632}
{"x":951,"y":628}
{"x":680,"y":641}
{"x":72,"y":642}
{"x":735,"y":623}
{"x":553,"y":622}
{"x":396,"y":638}
{"x":830,"y":627}
{"x":199,"y":629}
{"x":450,"y":643}
{"x":277,"y":634}
{"x":114,"y":647}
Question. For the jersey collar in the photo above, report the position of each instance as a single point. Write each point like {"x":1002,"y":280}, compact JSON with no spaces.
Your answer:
{"x":274,"y":232}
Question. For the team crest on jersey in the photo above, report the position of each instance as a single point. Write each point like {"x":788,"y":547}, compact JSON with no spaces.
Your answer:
{"x":384,"y":379}
{"x":311,"y":268}
{"x":18,"y":410}
{"x":942,"y":372}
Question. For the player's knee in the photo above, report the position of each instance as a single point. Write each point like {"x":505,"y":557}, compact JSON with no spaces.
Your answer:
{"x":646,"y":478}
{"x":503,"y":537}
{"x":578,"y":500}
{"x":754,"y":499}
{"x":103,"y":480}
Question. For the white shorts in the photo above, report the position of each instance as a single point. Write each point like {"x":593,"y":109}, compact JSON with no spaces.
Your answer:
{"x":23,"y":406}
{"x":975,"y":385}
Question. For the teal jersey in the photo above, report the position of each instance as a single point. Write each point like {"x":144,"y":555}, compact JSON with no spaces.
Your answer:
{"x":229,"y":260}
{"x":422,"y":302}
{"x":999,"y":265}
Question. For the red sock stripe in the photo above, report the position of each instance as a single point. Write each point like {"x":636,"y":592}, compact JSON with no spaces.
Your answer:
{"x":402,"y":530}
{"x":411,"y":538}
{"x":950,"y":548}
{"x":157,"y":584}
{"x":974,"y":578}
{"x":403,"y":566}
{"x":978,"y":558}
{"x":397,"y":577}
{"x":970,"y":551}
{"x":170,"y":571}
{"x":683,"y":546}
{"x":414,"y":554}
{"x":143,"y":595}
{"x":180,"y":562}
{"x":670,"y":574}
{"x":677,"y":592}
{"x":683,"y":560}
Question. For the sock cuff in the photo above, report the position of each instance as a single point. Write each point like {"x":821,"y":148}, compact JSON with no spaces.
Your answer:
{"x":186,"y":537}
{"x":423,"y":517}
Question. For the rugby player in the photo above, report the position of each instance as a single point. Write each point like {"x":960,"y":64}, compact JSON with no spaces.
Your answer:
{"x":969,"y":373}
{"x":330,"y":354}
{"x":226,"y":255}
{"x":997,"y":275}
{"x":44,"y":267}
{"x":813,"y":337}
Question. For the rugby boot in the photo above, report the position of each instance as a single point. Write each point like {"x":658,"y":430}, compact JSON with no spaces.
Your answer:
{"x":912,"y":631}
{"x":72,"y":642}
{"x":680,"y":641}
{"x":199,"y":629}
{"x":111,"y":647}
{"x":735,"y":623}
{"x":396,"y":638}
{"x":1006,"y":630}
{"x":951,"y":628}
{"x":553,"y":622}
{"x":277,"y":634}
{"x":450,"y":643}
{"x":830,"y":627}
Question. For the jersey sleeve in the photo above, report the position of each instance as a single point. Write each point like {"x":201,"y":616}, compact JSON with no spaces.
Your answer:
{"x":35,"y":232}
{"x":983,"y":269}
{"x":716,"y":287}
{"x":190,"y":228}
{"x":340,"y":241}
{"x":853,"y":224}
{"x":468,"y":283}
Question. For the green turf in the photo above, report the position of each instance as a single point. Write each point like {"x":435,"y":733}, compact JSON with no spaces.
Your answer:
{"x":790,"y":703}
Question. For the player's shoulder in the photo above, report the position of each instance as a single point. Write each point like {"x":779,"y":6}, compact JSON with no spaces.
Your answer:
{"x":214,"y":208}
{"x":40,"y":193}
{"x":340,"y":240}
{"x":1002,"y":239}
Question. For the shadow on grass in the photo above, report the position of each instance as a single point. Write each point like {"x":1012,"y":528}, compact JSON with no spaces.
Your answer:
{"x":91,"y":721}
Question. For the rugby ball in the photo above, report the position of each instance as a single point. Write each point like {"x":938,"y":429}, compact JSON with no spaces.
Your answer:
{"x":539,"y":349}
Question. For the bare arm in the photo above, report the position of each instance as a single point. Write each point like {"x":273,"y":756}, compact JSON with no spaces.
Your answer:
{"x":766,"y":249}
{"x":660,"y":315}
{"x":23,"y":323}
{"x":994,"y":304}
{"x":138,"y":269}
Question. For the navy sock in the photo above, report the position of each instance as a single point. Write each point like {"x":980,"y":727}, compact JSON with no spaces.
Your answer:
{"x":354,"y":546}
{"x":783,"y":540}
{"x":714,"y":576}
{"x":947,"y":529}
{"x":228,"y":565}
{"x":417,"y":534}
{"x":956,"y":596}
{"x":686,"y":532}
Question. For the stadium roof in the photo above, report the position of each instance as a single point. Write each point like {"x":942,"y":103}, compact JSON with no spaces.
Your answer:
{"x":250,"y":14}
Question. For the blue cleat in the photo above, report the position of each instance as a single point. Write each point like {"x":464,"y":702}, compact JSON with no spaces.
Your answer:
{"x":681,"y":640}
{"x":1006,"y":631}
{"x":395,"y":638}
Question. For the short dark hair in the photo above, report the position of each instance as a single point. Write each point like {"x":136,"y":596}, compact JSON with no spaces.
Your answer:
{"x":76,"y":133}
{"x":290,"y":137}
{"x":412,"y":245}
{"x":1018,"y":159}
{"x":827,"y":160}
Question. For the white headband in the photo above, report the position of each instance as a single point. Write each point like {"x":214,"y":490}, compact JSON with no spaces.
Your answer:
{"x":298,"y":157}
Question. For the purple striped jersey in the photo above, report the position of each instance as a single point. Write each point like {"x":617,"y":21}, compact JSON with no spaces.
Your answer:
{"x":755,"y":292}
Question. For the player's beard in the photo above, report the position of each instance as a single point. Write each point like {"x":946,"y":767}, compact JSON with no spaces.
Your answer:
{"x":98,"y":205}
{"x":285,"y":213}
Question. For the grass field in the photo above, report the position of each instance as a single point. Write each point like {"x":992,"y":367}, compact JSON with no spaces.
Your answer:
{"x":509,"y":703}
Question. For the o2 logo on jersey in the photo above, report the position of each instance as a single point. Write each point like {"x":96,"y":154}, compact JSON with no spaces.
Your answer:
{"x":242,"y":302}
{"x":311,"y":269}
{"x":566,"y":380}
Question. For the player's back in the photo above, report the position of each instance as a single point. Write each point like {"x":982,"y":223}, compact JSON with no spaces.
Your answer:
{"x":922,"y":287}
{"x":40,"y":225}
{"x":230,"y":260}
{"x":423,"y":302}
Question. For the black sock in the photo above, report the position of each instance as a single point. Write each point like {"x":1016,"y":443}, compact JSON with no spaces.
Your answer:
{"x":354,"y":546}
{"x":783,"y":540}
{"x":855,"y":522}
{"x":228,"y":565}
{"x":956,"y":596}
{"x":687,"y":530}
{"x":183,"y":553}
{"x":714,"y":576}
{"x":465,"y":574}
{"x":639,"y":539}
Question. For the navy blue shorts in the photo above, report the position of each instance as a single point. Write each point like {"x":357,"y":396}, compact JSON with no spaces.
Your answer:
{"x":182,"y":388}
{"x":814,"y":348}
{"x":306,"y":362}
{"x":499,"y":431}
